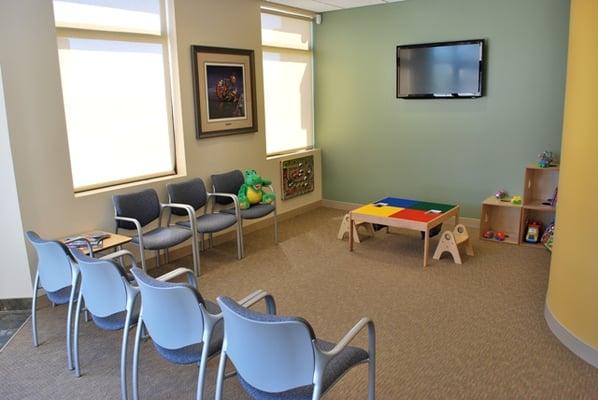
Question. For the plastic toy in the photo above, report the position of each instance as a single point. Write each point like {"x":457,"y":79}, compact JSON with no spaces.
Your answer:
{"x":501,"y":194}
{"x":533,"y":232}
{"x":548,"y":236}
{"x":489,"y":235}
{"x":516,"y":200}
{"x":500,"y":236}
{"x":252,"y":192}
{"x":545,"y":159}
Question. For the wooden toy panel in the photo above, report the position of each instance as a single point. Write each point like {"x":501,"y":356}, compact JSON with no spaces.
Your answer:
{"x":297,"y":177}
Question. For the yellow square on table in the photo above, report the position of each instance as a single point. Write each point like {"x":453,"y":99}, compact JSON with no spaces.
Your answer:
{"x":377,"y":210}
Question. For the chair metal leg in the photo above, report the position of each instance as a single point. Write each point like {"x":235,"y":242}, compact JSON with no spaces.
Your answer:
{"x":203,"y":364}
{"x":76,"y":334}
{"x":166,"y":256}
{"x":135,"y":369}
{"x":220,"y":375}
{"x":211,"y":238}
{"x":69,"y":317}
{"x":33,"y":311}
{"x":124,"y":348}
{"x":142,"y":255}
{"x":157,"y":258}
{"x":275,"y":226}
{"x":371,"y":361}
{"x":239,"y":244}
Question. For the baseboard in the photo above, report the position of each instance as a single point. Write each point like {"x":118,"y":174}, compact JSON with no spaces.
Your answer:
{"x":20,"y":304}
{"x":473,"y":223}
{"x":584,"y":351}
{"x":184,"y":251}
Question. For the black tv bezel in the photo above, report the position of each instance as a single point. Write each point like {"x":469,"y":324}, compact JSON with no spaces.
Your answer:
{"x":480,"y":93}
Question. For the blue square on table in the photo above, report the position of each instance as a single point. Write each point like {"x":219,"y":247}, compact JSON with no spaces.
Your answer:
{"x":397,"y":202}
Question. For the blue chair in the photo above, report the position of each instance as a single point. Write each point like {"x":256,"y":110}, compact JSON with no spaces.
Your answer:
{"x":184,"y":328}
{"x":193,"y":193}
{"x":133,"y":211}
{"x":230,"y":183}
{"x":57,"y":275}
{"x":280,"y":357}
{"x":110,"y":297}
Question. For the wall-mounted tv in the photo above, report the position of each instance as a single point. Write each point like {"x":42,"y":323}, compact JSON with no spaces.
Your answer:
{"x":446,"y":70}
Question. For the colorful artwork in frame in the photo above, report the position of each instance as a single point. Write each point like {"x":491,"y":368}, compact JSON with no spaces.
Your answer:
{"x":224,"y":89}
{"x":297,"y":176}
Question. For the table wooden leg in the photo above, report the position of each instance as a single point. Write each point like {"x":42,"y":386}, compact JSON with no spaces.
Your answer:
{"x":351,"y":227}
{"x":426,"y":246}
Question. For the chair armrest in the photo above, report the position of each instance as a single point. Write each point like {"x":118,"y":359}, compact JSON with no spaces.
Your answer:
{"x":349,"y":336}
{"x":87,"y":244}
{"x":190,"y":212}
{"x":121,"y":253}
{"x":230,"y":196}
{"x":133,"y":221}
{"x":178,"y":272}
{"x":258,"y":295}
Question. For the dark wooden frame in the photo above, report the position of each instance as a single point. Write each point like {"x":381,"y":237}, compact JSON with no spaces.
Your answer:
{"x":197,"y":95}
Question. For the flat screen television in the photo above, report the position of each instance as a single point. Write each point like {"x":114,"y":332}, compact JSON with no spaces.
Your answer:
{"x":440,"y":70}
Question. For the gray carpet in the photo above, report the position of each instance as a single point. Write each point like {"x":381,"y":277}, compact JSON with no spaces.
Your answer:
{"x":471,"y":331}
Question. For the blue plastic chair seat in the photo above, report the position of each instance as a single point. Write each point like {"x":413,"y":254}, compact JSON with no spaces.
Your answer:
{"x":346,"y":359}
{"x":192,"y":353}
{"x":61,"y":296}
{"x":253,"y":212}
{"x":161,"y":238}
{"x":209,"y":223}
{"x":115,"y":321}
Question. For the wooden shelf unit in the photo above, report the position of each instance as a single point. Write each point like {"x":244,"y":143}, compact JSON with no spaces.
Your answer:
{"x":512,"y":219}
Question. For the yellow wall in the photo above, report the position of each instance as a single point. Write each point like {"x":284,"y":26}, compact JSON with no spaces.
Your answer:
{"x":573,"y":287}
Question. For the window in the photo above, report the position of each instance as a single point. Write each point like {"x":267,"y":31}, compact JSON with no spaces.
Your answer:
{"x":116,"y":87}
{"x":287,"y":55}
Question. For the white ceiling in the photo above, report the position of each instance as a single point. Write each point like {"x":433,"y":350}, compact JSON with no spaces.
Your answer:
{"x":330,"y":5}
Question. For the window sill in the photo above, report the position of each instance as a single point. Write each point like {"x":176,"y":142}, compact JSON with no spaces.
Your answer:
{"x":293,"y":154}
{"x":128,"y":185}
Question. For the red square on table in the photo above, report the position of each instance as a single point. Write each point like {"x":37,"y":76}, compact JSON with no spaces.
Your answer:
{"x":414,"y":215}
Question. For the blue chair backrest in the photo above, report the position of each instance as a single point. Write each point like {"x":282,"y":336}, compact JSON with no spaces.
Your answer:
{"x":170,"y":311}
{"x":144,"y":206}
{"x":192,"y":192}
{"x":272,"y":353}
{"x":54,"y":262}
{"x":229,"y":182}
{"x":102,"y":285}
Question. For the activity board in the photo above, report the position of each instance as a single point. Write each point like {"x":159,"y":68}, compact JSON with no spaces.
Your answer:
{"x":297,"y":176}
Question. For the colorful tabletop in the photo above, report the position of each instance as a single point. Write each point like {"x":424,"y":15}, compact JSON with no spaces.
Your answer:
{"x":404,"y":213}
{"x":412,"y":210}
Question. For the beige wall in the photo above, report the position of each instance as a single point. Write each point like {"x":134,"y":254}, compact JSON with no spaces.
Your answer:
{"x":29,"y":59}
{"x":15,"y":281}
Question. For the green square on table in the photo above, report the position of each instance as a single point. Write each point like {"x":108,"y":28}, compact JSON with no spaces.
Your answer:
{"x":425,"y":206}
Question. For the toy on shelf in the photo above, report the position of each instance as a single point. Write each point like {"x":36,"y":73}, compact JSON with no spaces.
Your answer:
{"x":500,"y":236}
{"x":251,"y":192}
{"x":501,"y":194}
{"x":545,"y":159}
{"x":450,"y":242}
{"x":533,"y":232}
{"x":548,"y":236}
{"x":516,"y":200}
{"x":489,"y":235}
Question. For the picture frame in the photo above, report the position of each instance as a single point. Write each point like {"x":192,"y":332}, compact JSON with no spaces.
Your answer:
{"x":224,"y":91}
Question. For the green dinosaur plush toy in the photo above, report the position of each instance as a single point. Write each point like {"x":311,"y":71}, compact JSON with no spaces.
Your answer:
{"x":252,"y":192}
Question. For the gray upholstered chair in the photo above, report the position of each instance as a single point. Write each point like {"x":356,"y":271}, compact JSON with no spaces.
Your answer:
{"x":230,"y":183}
{"x":133,"y":211}
{"x":280,"y":357}
{"x":110,"y":297}
{"x":193,"y":193}
{"x":180,"y":322}
{"x":57,"y":275}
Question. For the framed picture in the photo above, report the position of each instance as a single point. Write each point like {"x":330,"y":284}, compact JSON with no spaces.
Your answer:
{"x":224,"y":91}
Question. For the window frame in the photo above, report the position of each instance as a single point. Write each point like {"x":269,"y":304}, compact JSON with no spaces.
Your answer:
{"x":162,"y":39}
{"x":296,"y":51}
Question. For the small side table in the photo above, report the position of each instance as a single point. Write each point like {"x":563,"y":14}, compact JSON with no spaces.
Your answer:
{"x":114,"y":241}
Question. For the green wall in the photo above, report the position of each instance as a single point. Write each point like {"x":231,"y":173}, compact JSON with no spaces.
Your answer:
{"x":457,"y":151}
